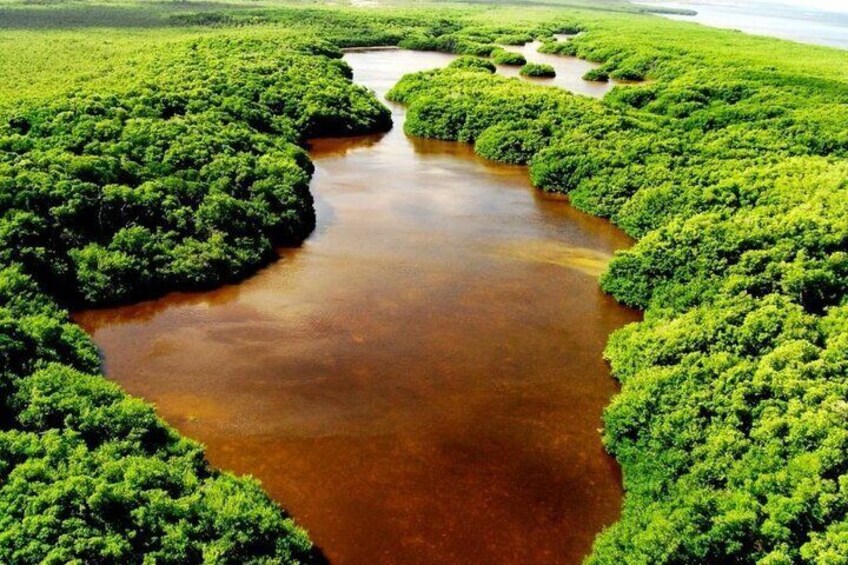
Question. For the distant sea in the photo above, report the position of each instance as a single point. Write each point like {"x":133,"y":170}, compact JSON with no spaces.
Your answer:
{"x":794,"y":22}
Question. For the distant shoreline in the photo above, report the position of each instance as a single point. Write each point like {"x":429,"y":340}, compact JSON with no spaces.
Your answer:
{"x":782,"y":21}
{"x":657,"y":8}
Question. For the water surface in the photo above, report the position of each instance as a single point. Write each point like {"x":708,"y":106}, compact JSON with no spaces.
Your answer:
{"x":815,"y":22}
{"x":569,"y":70}
{"x":421,"y":381}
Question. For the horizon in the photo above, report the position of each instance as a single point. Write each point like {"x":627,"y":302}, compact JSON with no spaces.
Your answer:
{"x":827,"y":6}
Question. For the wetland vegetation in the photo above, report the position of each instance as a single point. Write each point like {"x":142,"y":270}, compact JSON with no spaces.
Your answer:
{"x":170,"y":156}
{"x":730,"y":170}
{"x":538,"y":70}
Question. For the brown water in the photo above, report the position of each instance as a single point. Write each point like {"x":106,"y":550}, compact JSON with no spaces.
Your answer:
{"x":569,"y":70}
{"x":421,"y":381}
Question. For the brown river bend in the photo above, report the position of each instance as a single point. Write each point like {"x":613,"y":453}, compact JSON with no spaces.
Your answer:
{"x":421,"y":381}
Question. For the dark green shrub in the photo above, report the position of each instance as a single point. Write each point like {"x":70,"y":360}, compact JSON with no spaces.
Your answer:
{"x":538,"y":70}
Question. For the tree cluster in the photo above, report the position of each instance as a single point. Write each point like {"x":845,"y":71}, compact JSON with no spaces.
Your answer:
{"x":538,"y":70}
{"x":188,"y":177}
{"x":729,"y":167}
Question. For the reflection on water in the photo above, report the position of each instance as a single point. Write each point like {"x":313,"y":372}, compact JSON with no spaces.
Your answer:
{"x":421,"y":381}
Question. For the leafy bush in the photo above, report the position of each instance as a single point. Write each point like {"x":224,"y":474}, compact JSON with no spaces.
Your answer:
{"x":514,"y":39}
{"x":503,"y":57}
{"x":473,"y":64}
{"x":597,"y":75}
{"x":538,"y":70}
{"x":448,"y":44}
{"x":565,"y":48}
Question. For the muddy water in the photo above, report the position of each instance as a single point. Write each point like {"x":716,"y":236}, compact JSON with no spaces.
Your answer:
{"x":421,"y":381}
{"x":569,"y":70}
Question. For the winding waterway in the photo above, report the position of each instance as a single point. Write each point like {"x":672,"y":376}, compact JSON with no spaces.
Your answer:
{"x":422,"y":380}
{"x":569,"y":70}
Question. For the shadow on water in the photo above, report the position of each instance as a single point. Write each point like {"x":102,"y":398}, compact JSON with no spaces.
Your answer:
{"x":317,"y":556}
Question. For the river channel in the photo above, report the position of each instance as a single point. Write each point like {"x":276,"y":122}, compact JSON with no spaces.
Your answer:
{"x":422,"y":380}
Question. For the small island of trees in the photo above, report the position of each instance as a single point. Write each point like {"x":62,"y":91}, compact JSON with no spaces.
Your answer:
{"x":538,"y":70}
{"x":504,"y":57}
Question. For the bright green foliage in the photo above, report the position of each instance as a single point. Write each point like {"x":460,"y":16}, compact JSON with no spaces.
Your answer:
{"x":729,"y":166}
{"x":457,"y":36}
{"x":49,"y":48}
{"x":566,"y":48}
{"x":482,"y":100}
{"x":504,"y":57}
{"x":538,"y":70}
{"x":597,"y":75}
{"x":514,"y":39}
{"x":731,"y":170}
{"x":573,"y":27}
{"x":186,"y":178}
{"x":473,"y":63}
{"x":448,"y":43}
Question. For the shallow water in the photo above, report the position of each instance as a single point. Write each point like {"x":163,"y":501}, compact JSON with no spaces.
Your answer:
{"x":569,"y":70}
{"x":421,"y":381}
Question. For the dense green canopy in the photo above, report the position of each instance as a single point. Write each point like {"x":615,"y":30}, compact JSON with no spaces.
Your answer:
{"x":186,"y":179}
{"x":182,"y":166}
{"x":731,"y":171}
